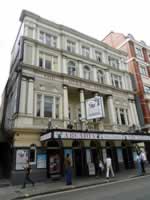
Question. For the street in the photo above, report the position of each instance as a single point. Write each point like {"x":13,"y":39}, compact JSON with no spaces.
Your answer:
{"x":134,"y":189}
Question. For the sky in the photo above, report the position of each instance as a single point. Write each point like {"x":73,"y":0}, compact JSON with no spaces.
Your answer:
{"x":95,"y":18}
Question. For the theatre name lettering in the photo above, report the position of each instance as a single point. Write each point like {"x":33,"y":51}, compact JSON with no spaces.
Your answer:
{"x":92,"y":136}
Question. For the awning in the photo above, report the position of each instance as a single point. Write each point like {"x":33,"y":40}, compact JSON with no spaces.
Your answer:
{"x":90,"y":135}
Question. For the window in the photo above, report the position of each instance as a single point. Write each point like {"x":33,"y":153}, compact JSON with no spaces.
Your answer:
{"x":138,"y":52}
{"x":113,"y":62}
{"x":147,"y":89}
{"x":71,"y":68}
{"x":98,"y":56}
{"x":32,"y":154}
{"x":143,"y":70}
{"x":48,"y":106}
{"x":42,"y":36}
{"x":39,"y":100}
{"x":85,"y":51}
{"x":71,"y":46}
{"x":48,"y":39}
{"x":47,"y":61}
{"x":86,"y":72}
{"x":116,"y":81}
{"x":122,"y":117}
{"x":57,"y":107}
{"x":100,"y":76}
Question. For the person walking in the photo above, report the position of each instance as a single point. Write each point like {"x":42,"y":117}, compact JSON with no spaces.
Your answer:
{"x":27,"y":177}
{"x":143,"y":159}
{"x":139,"y":166}
{"x":68,"y":170}
{"x":109,"y":167}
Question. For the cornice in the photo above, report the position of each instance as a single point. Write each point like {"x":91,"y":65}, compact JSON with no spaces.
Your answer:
{"x":67,"y":29}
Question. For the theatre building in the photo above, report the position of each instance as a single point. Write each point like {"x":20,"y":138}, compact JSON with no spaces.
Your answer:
{"x":67,"y":93}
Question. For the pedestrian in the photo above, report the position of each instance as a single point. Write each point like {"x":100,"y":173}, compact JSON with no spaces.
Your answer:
{"x":68,"y":170}
{"x":27,"y":177}
{"x":109,"y":167}
{"x":139,"y":166}
{"x":101,"y":167}
{"x":143,"y":160}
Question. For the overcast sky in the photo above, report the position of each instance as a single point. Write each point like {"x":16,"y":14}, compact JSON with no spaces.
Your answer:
{"x":92,"y":17}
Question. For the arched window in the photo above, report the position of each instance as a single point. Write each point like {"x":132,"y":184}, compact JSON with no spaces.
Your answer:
{"x":71,"y":68}
{"x":100,"y":76}
{"x":86,"y":72}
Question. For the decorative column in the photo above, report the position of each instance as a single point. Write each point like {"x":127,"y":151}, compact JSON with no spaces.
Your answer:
{"x":135,"y":113}
{"x":82,"y":104}
{"x":30,"y":97}
{"x":131,"y":114}
{"x":111,"y":110}
{"x":94,"y":73}
{"x":23,"y":95}
{"x":66,"y":108}
{"x":108,"y":78}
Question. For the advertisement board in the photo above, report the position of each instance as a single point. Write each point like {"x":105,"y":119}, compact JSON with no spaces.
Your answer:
{"x":95,"y":108}
{"x":41,"y":161}
{"x":54,"y":164}
{"x":21,"y":158}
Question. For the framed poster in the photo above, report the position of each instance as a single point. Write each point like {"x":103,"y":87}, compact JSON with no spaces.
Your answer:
{"x":119,"y":154}
{"x":88,"y":155}
{"x":41,"y":161}
{"x":68,"y":151}
{"x":91,"y":168}
{"x":54,"y":164}
{"x":22,"y":155}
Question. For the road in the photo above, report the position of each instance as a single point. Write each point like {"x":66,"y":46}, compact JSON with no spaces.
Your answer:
{"x":134,"y":189}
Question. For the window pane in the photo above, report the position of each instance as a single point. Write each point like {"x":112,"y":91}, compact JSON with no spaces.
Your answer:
{"x":48,"y":106}
{"x":47,"y":64}
{"x":32,"y":155}
{"x":38,"y":110}
{"x":57,"y":107}
{"x":41,"y":36}
{"x":41,"y":62}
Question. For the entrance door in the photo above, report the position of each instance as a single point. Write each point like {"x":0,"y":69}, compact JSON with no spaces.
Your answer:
{"x":111,"y":151}
{"x":127,"y":156}
{"x":78,"y":162}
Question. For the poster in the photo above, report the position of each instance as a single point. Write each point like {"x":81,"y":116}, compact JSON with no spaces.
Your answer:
{"x":95,"y":108}
{"x":88,"y":155}
{"x":41,"y":161}
{"x":119,"y":155}
{"x":68,"y":151}
{"x":54,"y":164}
{"x":91,"y":168}
{"x":21,"y":158}
{"x":134,"y":155}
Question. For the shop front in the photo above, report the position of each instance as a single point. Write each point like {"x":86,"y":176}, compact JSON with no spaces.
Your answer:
{"x":87,"y":148}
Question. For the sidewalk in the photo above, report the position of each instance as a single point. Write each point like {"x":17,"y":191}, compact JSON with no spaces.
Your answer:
{"x":16,"y":192}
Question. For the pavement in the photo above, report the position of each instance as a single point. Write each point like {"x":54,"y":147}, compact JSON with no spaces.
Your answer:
{"x":9,"y":192}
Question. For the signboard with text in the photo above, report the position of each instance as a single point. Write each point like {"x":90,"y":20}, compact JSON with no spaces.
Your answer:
{"x":95,"y":108}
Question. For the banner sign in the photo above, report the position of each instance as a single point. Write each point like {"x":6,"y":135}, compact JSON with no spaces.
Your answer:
{"x":99,"y":136}
{"x":46,"y":136}
{"x":95,"y":108}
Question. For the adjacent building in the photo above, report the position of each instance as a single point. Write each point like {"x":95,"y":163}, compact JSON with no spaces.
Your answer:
{"x":57,"y":77}
{"x":139,"y":66}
